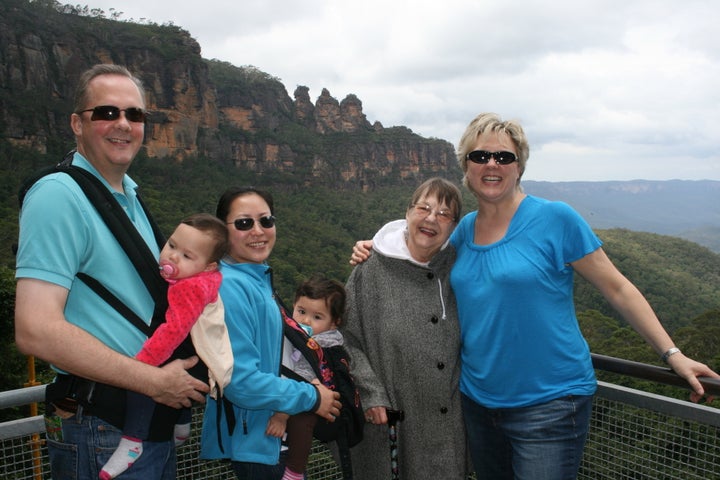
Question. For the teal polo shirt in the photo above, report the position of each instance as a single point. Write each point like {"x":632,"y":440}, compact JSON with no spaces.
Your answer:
{"x":62,"y":234}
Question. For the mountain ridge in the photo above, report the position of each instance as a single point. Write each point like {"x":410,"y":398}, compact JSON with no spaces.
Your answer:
{"x":198,"y":108}
{"x":688,"y":209}
{"x":243,"y":119}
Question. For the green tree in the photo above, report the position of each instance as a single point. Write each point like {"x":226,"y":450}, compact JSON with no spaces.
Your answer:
{"x":700,"y":339}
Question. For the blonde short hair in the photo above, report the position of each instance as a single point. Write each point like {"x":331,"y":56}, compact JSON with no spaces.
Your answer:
{"x":492,"y":123}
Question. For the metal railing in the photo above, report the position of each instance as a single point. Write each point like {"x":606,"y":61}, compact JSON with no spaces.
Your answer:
{"x":633,"y":435}
{"x":639,"y":435}
{"x":24,"y":455}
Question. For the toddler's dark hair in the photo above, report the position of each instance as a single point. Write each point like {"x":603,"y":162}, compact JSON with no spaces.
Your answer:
{"x":319,"y":286}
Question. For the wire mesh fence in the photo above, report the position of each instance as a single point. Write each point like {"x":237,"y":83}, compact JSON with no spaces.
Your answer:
{"x":632,"y":443}
{"x":321,"y":465}
{"x":626,"y":442}
{"x":26,"y":458}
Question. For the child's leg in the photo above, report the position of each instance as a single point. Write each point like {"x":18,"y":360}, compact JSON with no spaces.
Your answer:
{"x":139,"y":412}
{"x":182,"y":427}
{"x":299,"y":438}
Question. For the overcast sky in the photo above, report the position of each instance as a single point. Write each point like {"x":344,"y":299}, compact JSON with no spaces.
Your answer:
{"x":605,"y":89}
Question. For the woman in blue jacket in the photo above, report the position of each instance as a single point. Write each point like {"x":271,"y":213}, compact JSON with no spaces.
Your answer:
{"x":254,"y":324}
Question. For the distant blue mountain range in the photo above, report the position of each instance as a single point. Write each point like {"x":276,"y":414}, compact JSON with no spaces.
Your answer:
{"x":687,"y":209}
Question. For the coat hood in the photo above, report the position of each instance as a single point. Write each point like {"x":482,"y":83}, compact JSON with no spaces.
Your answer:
{"x":391,"y":241}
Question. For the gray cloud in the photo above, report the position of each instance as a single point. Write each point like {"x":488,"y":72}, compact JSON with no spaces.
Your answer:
{"x":606,"y":89}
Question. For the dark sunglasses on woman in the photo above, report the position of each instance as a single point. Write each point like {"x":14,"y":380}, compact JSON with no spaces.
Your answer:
{"x":483,"y":157}
{"x":245,"y":224}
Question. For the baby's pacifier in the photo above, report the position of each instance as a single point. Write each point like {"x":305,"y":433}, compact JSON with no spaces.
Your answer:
{"x":167,"y":269}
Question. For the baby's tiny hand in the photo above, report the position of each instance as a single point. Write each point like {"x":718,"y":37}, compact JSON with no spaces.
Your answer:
{"x":276,"y":425}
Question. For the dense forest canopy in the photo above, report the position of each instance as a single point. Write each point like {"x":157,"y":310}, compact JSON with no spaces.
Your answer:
{"x":317,"y":227}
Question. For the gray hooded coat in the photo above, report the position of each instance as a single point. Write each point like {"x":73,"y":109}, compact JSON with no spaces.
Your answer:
{"x":403,"y":338}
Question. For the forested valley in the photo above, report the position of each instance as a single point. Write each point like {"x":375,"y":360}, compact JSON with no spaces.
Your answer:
{"x":317,"y":227}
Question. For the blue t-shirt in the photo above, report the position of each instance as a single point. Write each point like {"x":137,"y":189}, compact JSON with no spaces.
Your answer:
{"x":62,"y":234}
{"x":521,"y":342}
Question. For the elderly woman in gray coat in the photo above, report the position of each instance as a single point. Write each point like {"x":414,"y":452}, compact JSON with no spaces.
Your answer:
{"x":403,"y":338}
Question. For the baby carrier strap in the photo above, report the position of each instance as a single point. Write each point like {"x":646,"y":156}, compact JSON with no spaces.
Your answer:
{"x":103,"y":400}
{"x":309,"y":348}
{"x":123,"y":230}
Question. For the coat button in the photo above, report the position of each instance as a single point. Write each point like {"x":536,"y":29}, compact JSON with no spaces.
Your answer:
{"x":443,"y":410}
{"x":430,"y":275}
{"x":440,"y":365}
{"x":434,"y":319}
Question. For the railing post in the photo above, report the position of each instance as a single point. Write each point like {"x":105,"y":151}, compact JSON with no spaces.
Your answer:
{"x":36,"y":442}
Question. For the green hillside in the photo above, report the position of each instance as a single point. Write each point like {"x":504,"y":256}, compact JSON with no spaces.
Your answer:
{"x":317,"y":227}
{"x":680,"y":279}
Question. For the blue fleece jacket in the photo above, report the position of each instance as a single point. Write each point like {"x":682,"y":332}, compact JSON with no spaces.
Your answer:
{"x":256,"y":389}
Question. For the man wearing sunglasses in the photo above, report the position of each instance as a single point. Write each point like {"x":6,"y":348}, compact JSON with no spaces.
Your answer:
{"x":61,"y":320}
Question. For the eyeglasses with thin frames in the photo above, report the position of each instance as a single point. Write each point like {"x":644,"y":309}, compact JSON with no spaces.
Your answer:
{"x":423,"y":210}
{"x":110,"y":113}
{"x":245,"y":224}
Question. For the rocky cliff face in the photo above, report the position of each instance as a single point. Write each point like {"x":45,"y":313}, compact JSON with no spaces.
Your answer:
{"x":198,"y":108}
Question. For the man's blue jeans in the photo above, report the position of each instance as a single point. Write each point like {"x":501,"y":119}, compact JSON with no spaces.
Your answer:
{"x":81,"y":445}
{"x":540,"y":442}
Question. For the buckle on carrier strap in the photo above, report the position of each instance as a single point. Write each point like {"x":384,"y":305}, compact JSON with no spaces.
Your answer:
{"x":97,"y":399}
{"x":106,"y":402}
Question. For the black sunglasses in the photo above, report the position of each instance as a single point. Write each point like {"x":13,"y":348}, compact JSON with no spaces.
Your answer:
{"x":483,"y":157}
{"x":245,"y":224}
{"x":111,"y":113}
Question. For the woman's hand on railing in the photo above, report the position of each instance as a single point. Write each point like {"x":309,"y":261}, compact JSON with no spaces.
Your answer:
{"x":689,"y":369}
{"x":708,"y":380}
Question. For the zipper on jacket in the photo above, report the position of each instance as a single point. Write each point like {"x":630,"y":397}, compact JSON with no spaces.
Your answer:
{"x":281,"y":307}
